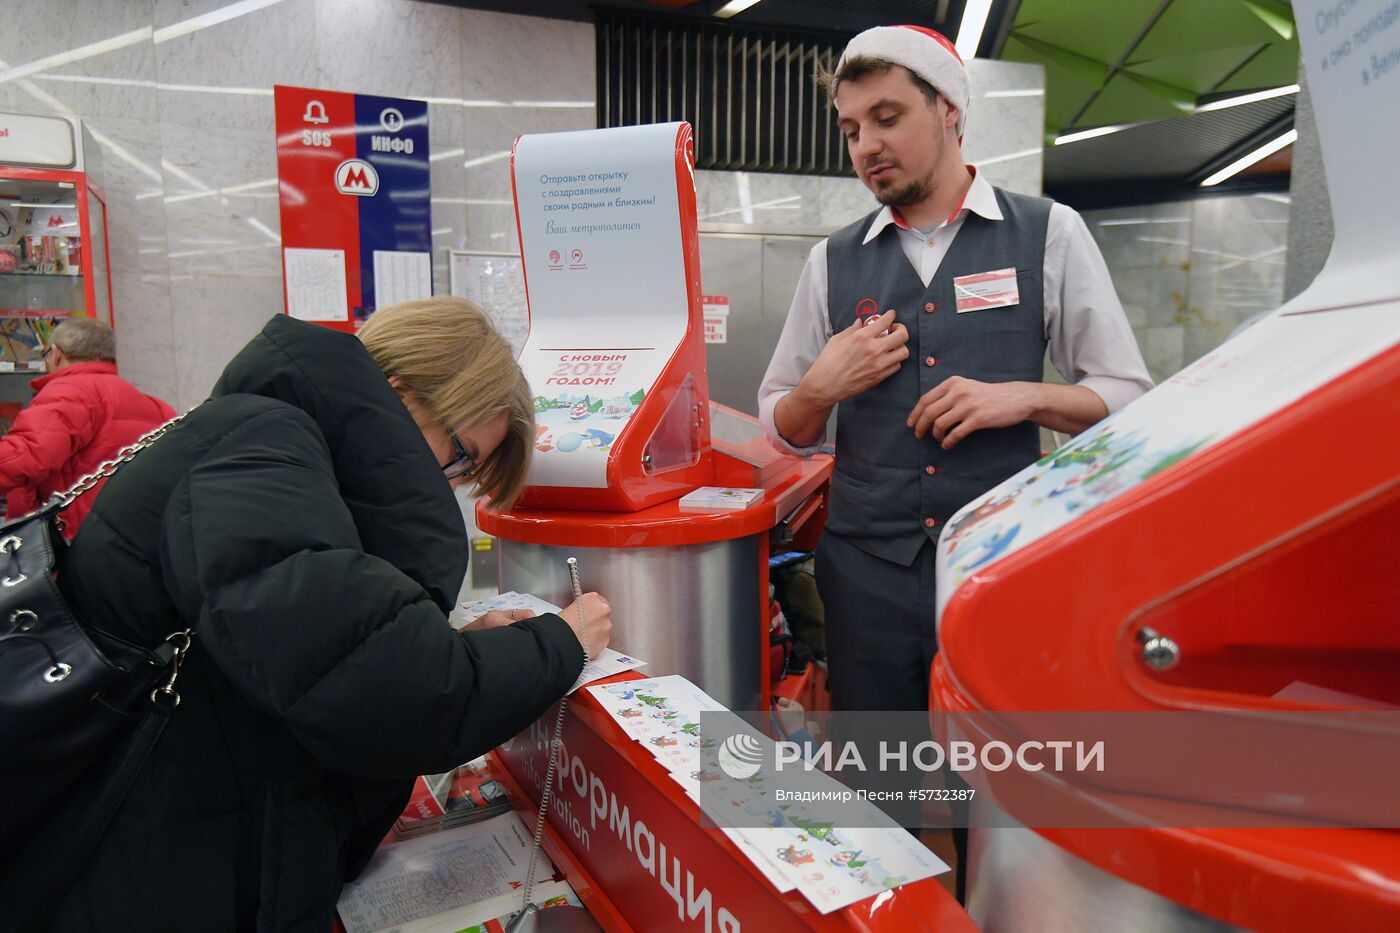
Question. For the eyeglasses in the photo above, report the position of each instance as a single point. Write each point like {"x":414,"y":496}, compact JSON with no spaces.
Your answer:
{"x":44,"y":353}
{"x":462,"y":462}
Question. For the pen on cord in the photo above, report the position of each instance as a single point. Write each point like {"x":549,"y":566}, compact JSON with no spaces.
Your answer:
{"x":573,"y":577}
{"x":578,"y":596}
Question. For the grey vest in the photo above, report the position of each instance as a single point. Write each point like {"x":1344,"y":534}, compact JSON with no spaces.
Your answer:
{"x":888,"y":485}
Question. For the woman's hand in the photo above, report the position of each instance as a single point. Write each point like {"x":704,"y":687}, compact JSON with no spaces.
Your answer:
{"x":597,"y":622}
{"x":496,"y":618}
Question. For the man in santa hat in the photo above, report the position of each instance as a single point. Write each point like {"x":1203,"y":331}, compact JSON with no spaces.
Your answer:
{"x":925,"y":326}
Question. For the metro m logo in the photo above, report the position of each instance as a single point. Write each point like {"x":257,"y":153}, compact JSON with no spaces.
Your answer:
{"x":357,"y":177}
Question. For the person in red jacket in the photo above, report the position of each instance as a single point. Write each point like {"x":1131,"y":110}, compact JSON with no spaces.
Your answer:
{"x":82,"y":415}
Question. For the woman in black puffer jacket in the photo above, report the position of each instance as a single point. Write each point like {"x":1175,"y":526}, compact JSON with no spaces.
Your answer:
{"x":302,"y":521}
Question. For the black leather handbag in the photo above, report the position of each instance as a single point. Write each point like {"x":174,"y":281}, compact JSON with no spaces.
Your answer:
{"x":76,"y":704}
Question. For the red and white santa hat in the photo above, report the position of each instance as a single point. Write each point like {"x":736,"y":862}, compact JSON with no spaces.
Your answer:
{"x":925,"y":52}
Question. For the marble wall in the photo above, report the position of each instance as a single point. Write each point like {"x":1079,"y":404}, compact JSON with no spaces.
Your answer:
{"x":178,"y":95}
{"x":1190,"y":273}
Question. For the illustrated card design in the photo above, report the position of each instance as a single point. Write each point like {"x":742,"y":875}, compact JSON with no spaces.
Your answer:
{"x":832,"y":866}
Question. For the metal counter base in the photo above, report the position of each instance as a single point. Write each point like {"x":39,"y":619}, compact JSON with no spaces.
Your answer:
{"x":689,"y":609}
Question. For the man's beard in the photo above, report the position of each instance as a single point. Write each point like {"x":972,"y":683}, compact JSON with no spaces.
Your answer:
{"x":911,"y":192}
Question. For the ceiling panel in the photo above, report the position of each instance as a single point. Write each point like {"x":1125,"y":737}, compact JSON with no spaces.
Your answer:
{"x":1124,"y":100}
{"x":1206,"y":25}
{"x":1276,"y":66}
{"x":1100,"y":31}
{"x":1159,"y":60}
{"x":1199,"y":72}
{"x":1066,"y":91}
{"x":1192,"y":48}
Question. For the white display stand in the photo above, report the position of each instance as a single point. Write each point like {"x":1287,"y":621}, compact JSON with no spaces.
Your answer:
{"x":609,"y":250}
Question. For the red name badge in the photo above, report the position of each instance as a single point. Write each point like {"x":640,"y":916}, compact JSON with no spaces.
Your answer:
{"x":982,"y":290}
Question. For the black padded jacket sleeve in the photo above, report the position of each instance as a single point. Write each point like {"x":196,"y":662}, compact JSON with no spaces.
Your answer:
{"x":347,"y":651}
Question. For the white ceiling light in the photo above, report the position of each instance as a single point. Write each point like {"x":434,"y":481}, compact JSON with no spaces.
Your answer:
{"x":733,"y":7}
{"x":1258,"y":155}
{"x":1204,"y":108}
{"x":974,"y":20}
{"x":1247,"y":98}
{"x":1023,"y":92}
{"x":1090,"y":134}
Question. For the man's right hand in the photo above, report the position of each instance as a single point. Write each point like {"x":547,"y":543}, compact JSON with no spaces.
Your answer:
{"x":596,"y":622}
{"x":864,"y":354}
{"x":851,"y":362}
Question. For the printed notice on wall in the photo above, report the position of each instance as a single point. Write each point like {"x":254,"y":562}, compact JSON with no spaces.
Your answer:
{"x":316,"y":284}
{"x":497,"y":283}
{"x":716,"y":318}
{"x":401,"y":276}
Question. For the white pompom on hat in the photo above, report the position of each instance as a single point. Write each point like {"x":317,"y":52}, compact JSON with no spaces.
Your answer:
{"x":925,"y":52}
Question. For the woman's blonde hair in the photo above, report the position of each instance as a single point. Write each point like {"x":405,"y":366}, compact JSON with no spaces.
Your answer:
{"x":447,"y":353}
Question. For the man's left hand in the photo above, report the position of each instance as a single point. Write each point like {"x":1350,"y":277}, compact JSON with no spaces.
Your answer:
{"x":959,"y":406}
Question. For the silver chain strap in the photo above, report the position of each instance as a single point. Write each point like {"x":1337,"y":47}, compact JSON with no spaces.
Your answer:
{"x":65,"y":499}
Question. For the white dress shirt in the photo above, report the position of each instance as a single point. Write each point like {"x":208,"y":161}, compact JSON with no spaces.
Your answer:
{"x":1090,"y":342}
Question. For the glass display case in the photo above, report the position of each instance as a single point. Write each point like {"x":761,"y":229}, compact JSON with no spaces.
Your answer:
{"x":53,"y":239}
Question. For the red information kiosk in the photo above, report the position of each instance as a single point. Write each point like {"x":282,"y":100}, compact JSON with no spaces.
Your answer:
{"x":616,"y":355}
{"x":1226,"y":543}
{"x":610,"y":249}
{"x":1260,"y":581}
